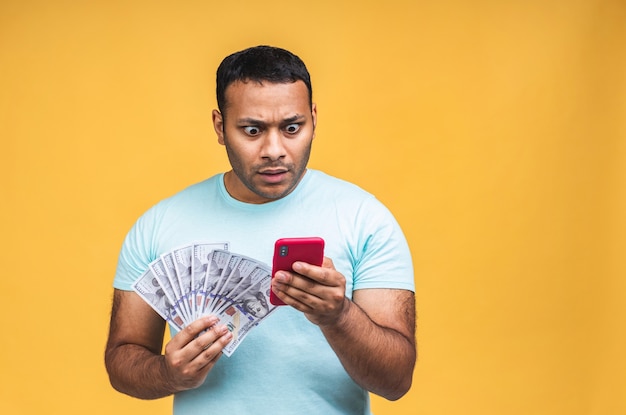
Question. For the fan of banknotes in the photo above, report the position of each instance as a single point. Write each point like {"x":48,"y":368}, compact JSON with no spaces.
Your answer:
{"x":205,"y":278}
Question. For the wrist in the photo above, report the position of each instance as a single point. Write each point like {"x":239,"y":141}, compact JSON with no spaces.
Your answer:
{"x":169,"y":382}
{"x":341,"y":318}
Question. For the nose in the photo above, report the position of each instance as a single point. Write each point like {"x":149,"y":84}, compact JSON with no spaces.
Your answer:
{"x":273,"y":148}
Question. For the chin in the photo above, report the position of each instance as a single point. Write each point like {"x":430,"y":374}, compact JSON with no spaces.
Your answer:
{"x":273,"y":192}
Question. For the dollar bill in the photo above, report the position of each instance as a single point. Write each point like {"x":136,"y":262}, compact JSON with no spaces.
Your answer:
{"x":251,"y":296}
{"x":231,"y":263}
{"x":182,"y":263}
{"x":217,"y":262}
{"x":167,"y":263}
{"x":160,"y":272}
{"x":150,"y":290}
{"x":200,"y":260}
{"x":243,"y":299}
{"x":241,"y":269}
{"x":205,"y":278}
{"x":238,"y":325}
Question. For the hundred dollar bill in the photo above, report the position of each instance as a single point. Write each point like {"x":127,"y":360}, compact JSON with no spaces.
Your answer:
{"x":242,"y":268}
{"x":158,"y":270}
{"x":149,"y":289}
{"x":231,"y":263}
{"x":239,"y":325}
{"x":243,"y":300}
{"x":201,"y":256}
{"x":203,"y":278}
{"x":182,"y":262}
{"x":170,"y":270}
{"x":251,"y":296}
{"x":217,"y":262}
{"x":233,"y":322}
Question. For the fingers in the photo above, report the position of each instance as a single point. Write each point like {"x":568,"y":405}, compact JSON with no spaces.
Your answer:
{"x":312,"y":289}
{"x":209,"y":344}
{"x":208,"y":349}
{"x":194,"y":350}
{"x":324,"y":275}
{"x":310,"y":278}
{"x":206,"y":333}
{"x":190,"y":332}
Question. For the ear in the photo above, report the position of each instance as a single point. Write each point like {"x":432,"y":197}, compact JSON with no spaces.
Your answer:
{"x":314,"y":115}
{"x":218,"y":126}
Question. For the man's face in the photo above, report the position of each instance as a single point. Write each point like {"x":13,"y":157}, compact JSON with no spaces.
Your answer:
{"x":267,"y":130}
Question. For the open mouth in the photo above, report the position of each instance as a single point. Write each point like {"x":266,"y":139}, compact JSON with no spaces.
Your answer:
{"x":273,"y":176}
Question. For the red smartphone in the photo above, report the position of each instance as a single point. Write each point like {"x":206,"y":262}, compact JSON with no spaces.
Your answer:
{"x":289,"y":250}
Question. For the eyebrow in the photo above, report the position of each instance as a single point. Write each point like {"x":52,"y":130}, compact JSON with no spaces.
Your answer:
{"x":297,"y":117}
{"x":254,"y":121}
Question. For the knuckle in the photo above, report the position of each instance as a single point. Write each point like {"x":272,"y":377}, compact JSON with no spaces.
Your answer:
{"x":337,"y":298}
{"x":187,"y":372}
{"x":176,"y":362}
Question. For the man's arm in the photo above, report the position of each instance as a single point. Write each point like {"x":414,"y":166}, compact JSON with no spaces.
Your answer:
{"x":133,"y":356}
{"x":375,"y":340}
{"x":373,"y":335}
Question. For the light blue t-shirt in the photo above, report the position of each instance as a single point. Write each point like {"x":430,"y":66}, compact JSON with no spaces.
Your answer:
{"x":284,"y":365}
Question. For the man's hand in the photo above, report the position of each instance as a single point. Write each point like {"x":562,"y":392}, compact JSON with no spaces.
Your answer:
{"x":192,"y":352}
{"x":373,"y":334}
{"x":319,"y":292}
{"x":133,"y":353}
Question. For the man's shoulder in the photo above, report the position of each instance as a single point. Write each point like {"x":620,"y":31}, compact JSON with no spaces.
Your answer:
{"x":189,"y":196}
{"x":326,"y":182}
{"x":350,"y":196}
{"x":196,"y":190}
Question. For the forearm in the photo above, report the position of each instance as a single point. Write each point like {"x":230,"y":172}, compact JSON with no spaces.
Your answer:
{"x":138,"y":372}
{"x":379,"y":359}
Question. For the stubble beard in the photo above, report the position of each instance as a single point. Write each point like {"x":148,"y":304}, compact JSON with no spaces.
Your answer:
{"x":246,"y":176}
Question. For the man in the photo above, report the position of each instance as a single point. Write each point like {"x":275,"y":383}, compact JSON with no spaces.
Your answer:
{"x":348,"y":327}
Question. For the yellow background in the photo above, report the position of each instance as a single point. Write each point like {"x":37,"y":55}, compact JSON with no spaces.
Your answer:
{"x":494,"y":130}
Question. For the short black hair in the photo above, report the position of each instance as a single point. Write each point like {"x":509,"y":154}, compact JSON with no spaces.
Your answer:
{"x":258,"y":64}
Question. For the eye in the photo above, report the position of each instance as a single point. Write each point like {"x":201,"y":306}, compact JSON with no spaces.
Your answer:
{"x":252,"y":130}
{"x":292,"y":128}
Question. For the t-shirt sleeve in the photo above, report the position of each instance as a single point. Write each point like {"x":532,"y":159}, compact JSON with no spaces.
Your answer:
{"x":136,"y":253}
{"x":385,"y":259}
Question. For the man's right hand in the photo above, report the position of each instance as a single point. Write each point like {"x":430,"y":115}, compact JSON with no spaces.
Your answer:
{"x":192,"y":352}
{"x":134,"y":359}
